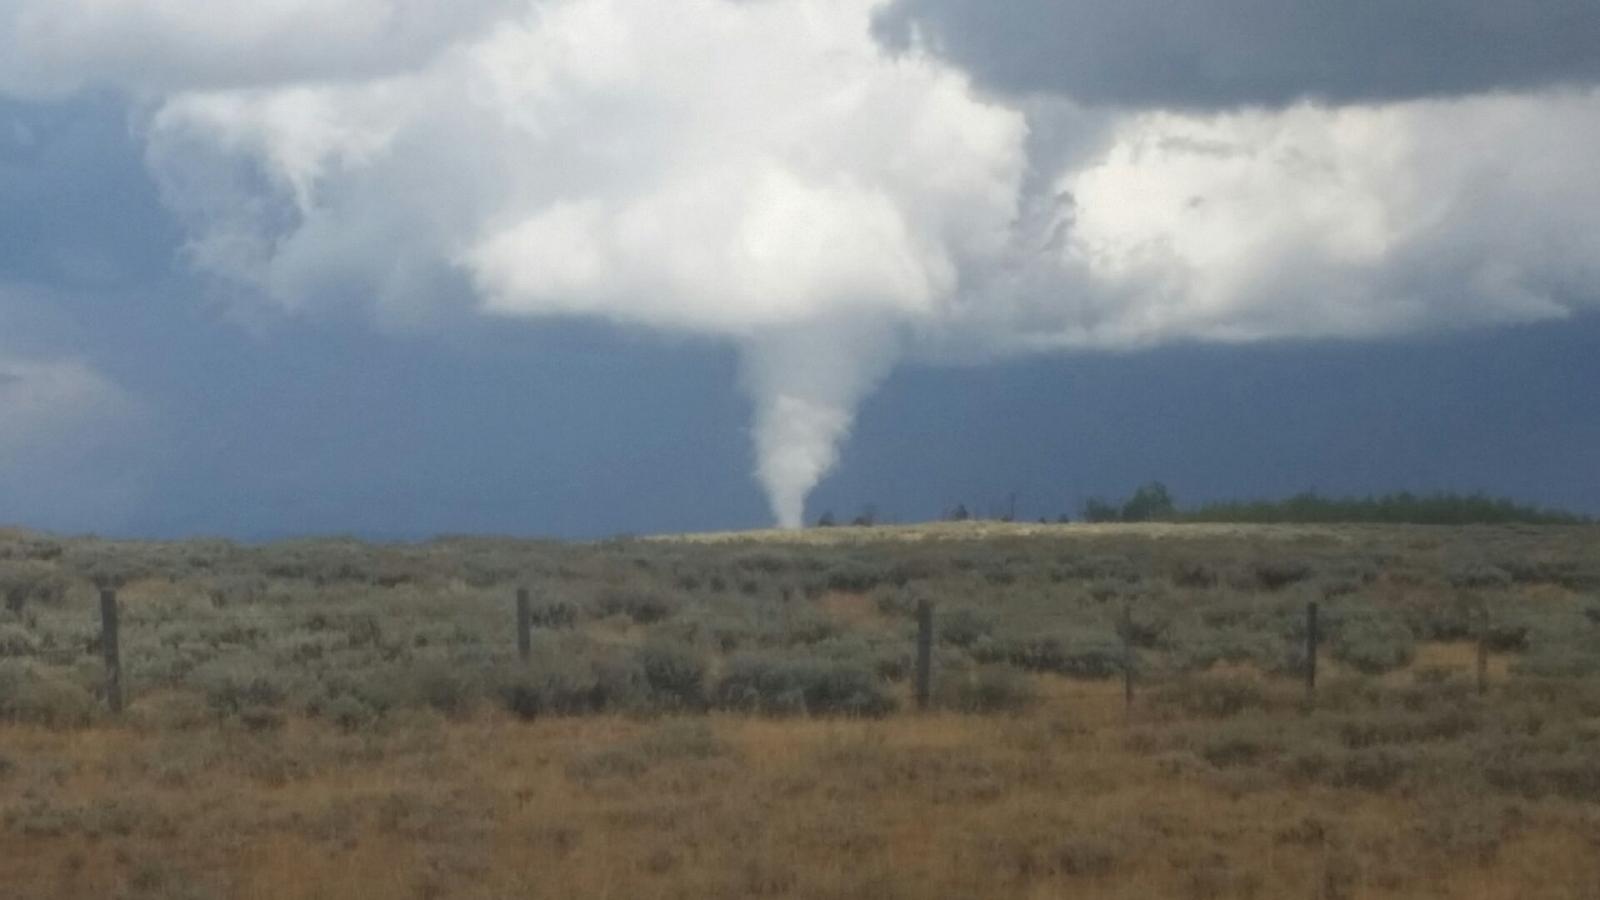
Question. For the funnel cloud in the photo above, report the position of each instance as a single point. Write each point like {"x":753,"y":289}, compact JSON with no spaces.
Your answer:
{"x":836,"y":187}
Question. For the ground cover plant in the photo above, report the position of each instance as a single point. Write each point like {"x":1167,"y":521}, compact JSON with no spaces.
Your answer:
{"x":732,"y":715}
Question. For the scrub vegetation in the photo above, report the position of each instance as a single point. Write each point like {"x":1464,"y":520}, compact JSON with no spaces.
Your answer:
{"x":1152,"y":503}
{"x":731,"y":715}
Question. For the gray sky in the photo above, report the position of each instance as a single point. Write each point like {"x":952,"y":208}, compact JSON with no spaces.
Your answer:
{"x":1225,"y":53}
{"x":582,"y":267}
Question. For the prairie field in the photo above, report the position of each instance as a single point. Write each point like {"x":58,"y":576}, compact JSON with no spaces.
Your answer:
{"x":733,"y":715}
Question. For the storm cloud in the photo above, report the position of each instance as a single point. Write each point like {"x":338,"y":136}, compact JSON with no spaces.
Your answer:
{"x":1225,"y":53}
{"x":772,"y":176}
{"x":64,"y":429}
{"x":54,"y":47}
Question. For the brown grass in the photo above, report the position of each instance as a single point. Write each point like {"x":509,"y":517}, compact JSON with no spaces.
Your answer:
{"x":1456,"y":657}
{"x":1051,"y":804}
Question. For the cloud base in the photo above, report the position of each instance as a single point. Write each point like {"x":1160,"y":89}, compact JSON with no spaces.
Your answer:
{"x":773,"y":175}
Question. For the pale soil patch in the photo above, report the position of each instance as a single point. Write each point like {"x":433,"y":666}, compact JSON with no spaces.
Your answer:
{"x":1459,"y":657}
{"x":987,"y":530}
{"x":855,"y":611}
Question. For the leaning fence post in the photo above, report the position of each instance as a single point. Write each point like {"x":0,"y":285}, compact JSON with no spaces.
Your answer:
{"x":924,"y":653}
{"x":1311,"y":650}
{"x":524,"y":625}
{"x":1483,"y":651}
{"x":110,"y":646}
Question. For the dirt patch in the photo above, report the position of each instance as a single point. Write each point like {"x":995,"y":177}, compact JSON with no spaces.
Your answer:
{"x":1457,"y":657}
{"x":855,"y":611}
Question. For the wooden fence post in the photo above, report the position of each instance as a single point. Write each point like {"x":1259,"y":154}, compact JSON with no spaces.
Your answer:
{"x":1483,"y":651}
{"x":1312,"y":639}
{"x":924,"y":653}
{"x":524,"y":625}
{"x":1128,"y":659}
{"x":110,"y":645}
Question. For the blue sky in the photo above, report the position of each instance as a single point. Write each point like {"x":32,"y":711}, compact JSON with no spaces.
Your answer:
{"x":344,"y":374}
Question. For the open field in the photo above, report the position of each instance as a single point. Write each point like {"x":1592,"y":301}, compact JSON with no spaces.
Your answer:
{"x":730,"y":716}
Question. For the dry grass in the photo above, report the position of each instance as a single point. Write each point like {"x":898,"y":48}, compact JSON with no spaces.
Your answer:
{"x":976,"y":530}
{"x":1052,"y":804}
{"x":856,"y":612}
{"x":328,"y":720}
{"x":1456,"y":658}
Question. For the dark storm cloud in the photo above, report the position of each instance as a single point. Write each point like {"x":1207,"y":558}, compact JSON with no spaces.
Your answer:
{"x":1220,"y":53}
{"x":77,"y":209}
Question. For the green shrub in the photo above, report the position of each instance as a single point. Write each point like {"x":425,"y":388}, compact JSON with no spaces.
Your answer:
{"x":1078,"y":655}
{"x":531,"y":695}
{"x":549,"y":612}
{"x":1570,"y":773}
{"x":234,"y":589}
{"x":1507,"y":637}
{"x":853,"y":577}
{"x":1277,"y":574}
{"x":1449,"y":618}
{"x":1539,"y":571}
{"x":1150,"y":503}
{"x":17,"y":546}
{"x":348,"y":711}
{"x":1246,"y":609}
{"x":801,"y":686}
{"x":1101,"y":568}
{"x":767,"y":562}
{"x":17,"y":641}
{"x":1373,"y":730}
{"x":642,"y":606}
{"x":565,"y":684}
{"x":1212,"y":696}
{"x":805,"y":626}
{"x":895,"y":602}
{"x":33,"y":694}
{"x":1374,"y":644}
{"x":438,"y":685}
{"x":234,"y":688}
{"x":986,"y":689}
{"x":1477,"y":575}
{"x":1558,"y":659}
{"x":1199,"y":648}
{"x":1147,"y":625}
{"x":1231,"y":750}
{"x":675,"y":675}
{"x":1193,"y":574}
{"x":29,"y":582}
{"x":1372,"y":770}
{"x":1097,"y":510}
{"x":353,"y":629}
{"x":964,"y":625}
{"x":1403,"y":507}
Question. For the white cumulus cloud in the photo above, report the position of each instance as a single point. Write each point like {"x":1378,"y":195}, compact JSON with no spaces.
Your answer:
{"x":758,"y":171}
{"x":767,"y":173}
{"x":1330,"y":222}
